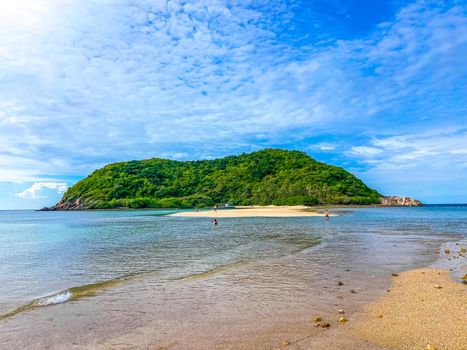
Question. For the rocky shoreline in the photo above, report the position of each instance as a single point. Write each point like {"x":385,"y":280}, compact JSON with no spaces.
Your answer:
{"x":78,"y":204}
{"x":395,"y":201}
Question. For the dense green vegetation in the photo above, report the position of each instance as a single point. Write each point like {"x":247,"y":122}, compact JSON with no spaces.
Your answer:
{"x":265,"y":177}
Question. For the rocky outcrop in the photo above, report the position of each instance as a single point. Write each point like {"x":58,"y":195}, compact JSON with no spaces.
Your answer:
{"x":66,"y":205}
{"x":395,"y":201}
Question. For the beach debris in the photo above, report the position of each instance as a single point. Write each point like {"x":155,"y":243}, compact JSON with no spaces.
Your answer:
{"x":353,"y":292}
{"x":465,"y":277}
{"x":319,"y":322}
{"x":340,"y":283}
{"x":341,"y":311}
{"x":463,"y":250}
{"x":447,"y":251}
{"x":285,"y":343}
{"x":323,"y":324}
{"x":394,"y":274}
{"x":438,"y":286}
{"x":379,"y":316}
{"x":343,"y":320}
{"x":430,"y":347}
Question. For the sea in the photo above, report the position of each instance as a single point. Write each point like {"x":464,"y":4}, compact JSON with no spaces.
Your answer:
{"x":143,"y":279}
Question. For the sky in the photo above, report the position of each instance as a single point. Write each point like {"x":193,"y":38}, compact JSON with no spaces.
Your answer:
{"x":377,"y":87}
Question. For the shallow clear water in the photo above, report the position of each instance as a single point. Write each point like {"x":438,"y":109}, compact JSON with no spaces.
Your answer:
{"x":147,"y":270}
{"x":42,"y":253}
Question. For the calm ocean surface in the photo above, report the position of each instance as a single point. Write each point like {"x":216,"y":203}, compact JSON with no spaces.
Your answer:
{"x":49,"y":258}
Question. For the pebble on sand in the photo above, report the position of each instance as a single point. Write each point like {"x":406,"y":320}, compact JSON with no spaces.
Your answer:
{"x":343,"y":320}
{"x":323,"y":325}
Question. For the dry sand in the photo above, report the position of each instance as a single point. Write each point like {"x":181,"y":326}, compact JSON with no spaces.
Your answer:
{"x":424,"y":309}
{"x":268,"y":211}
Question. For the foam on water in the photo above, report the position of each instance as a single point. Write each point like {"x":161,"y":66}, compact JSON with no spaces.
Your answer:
{"x":58,"y":298}
{"x":71,"y":294}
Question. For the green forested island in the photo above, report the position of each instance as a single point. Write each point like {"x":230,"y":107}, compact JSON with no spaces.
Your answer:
{"x":270,"y":176}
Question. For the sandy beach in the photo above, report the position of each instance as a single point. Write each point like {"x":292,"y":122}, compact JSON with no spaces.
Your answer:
{"x":254,"y":211}
{"x":424,"y":309}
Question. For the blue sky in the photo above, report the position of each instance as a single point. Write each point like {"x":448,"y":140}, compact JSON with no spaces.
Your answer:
{"x":378,"y":87}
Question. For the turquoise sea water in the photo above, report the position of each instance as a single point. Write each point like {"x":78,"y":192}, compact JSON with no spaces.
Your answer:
{"x":42,"y":253}
{"x":49,"y":258}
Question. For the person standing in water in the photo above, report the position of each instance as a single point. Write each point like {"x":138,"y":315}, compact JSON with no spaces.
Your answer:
{"x":326,"y":214}
{"x":214,"y":222}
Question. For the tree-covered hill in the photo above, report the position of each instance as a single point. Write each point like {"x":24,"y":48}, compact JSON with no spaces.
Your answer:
{"x":270,"y":176}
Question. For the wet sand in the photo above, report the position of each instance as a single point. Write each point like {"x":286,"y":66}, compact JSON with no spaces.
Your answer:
{"x":241,"y":212}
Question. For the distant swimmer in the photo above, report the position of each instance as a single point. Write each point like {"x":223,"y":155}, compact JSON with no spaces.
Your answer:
{"x":214,"y":222}
{"x":326,"y":214}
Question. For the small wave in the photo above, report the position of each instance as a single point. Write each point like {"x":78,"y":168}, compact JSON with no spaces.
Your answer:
{"x":58,"y":298}
{"x":212,"y":272}
{"x":71,"y":294}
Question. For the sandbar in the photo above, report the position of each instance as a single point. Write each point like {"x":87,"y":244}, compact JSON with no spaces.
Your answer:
{"x":254,"y":211}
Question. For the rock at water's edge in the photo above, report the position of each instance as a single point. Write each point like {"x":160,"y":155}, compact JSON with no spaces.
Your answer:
{"x":64,"y":205}
{"x":395,"y":201}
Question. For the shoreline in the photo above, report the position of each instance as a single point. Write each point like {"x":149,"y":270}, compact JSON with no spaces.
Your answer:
{"x":423,"y":309}
{"x":311,"y":207}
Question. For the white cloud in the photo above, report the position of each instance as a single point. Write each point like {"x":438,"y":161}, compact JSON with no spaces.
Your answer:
{"x":38,"y":187}
{"x":84,"y":83}
{"x":365,"y":151}
{"x":442,"y":148}
{"x":429,"y":165}
{"x":322,"y":146}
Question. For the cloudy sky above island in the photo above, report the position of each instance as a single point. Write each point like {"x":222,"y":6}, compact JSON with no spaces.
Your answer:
{"x":378,"y":87}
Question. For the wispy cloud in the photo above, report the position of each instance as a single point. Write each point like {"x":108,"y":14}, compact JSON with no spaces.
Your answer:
{"x":364,"y":152}
{"x":441,"y":148}
{"x":84,"y":83}
{"x":430,"y":165}
{"x":35,"y":190}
